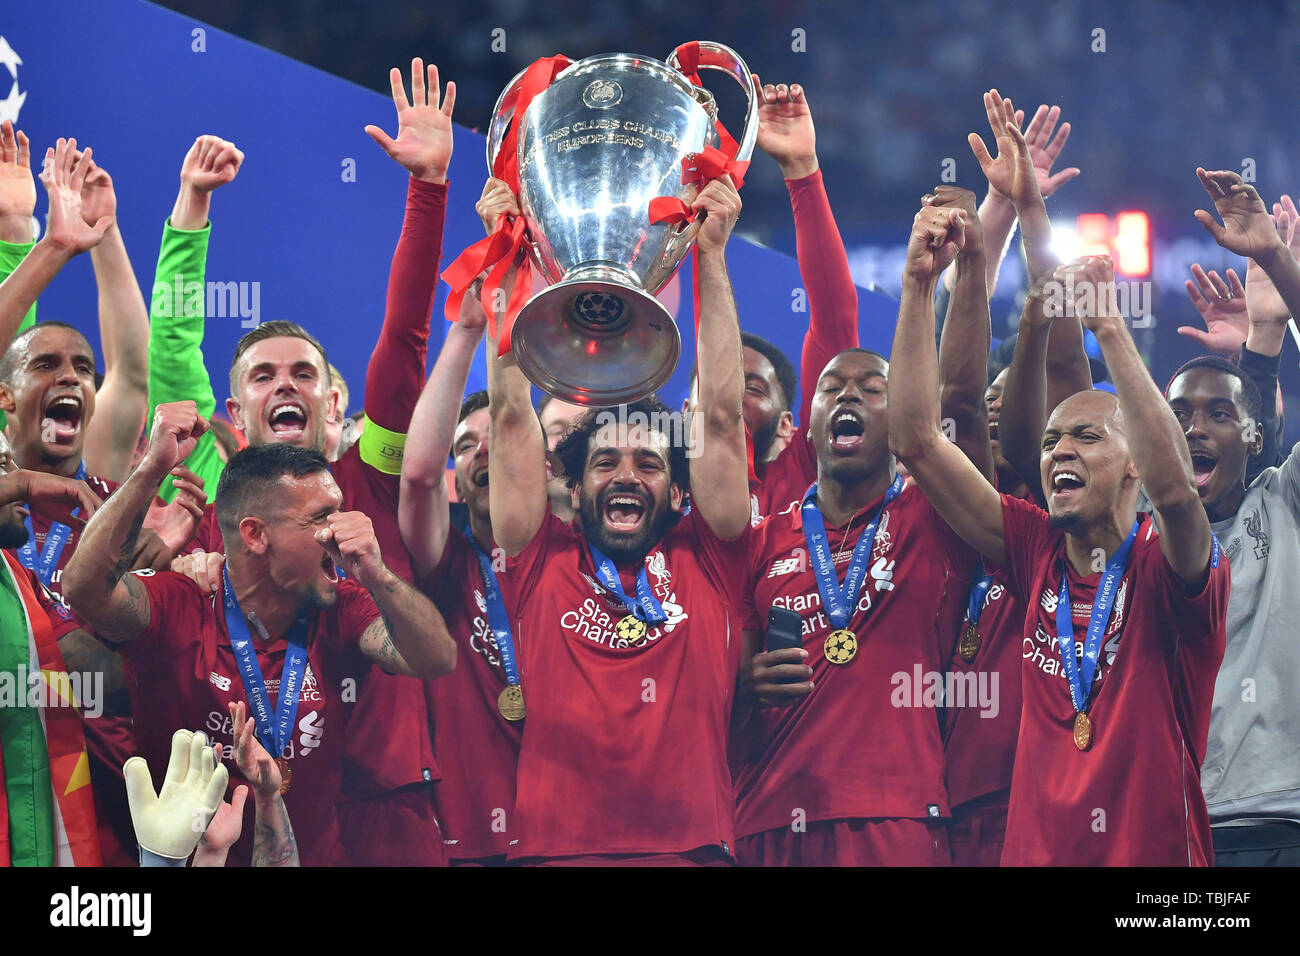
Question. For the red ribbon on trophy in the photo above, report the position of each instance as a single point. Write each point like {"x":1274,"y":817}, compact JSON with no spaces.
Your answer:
{"x":501,"y":248}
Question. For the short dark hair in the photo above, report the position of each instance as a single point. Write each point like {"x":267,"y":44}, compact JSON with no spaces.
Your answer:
{"x":275,"y":329}
{"x":573,"y":448}
{"x":247,"y":485}
{"x":784,"y":368}
{"x":1249,"y":390}
{"x":9,"y":361}
{"x":473,"y":402}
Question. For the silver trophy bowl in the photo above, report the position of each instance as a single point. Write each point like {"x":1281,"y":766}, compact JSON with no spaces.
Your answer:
{"x":606,"y":137}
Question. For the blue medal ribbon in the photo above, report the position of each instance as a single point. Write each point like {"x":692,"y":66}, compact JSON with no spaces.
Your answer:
{"x":47,"y":562}
{"x":273,"y":731}
{"x":979,"y":587}
{"x":839,"y":601}
{"x":498,"y":619}
{"x":1080,"y":677}
{"x":646,"y":606}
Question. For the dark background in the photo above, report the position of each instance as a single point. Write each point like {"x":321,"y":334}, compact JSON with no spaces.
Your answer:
{"x":894,"y":90}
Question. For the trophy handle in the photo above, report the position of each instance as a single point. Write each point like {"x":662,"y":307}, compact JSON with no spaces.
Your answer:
{"x":715,"y":56}
{"x":502,"y":116}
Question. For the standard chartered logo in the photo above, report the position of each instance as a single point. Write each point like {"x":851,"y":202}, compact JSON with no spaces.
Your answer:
{"x":12,"y":103}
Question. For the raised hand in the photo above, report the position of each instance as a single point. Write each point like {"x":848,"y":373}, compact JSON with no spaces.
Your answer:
{"x":170,"y":822}
{"x":211,"y":162}
{"x":1044,"y":148}
{"x":1090,"y":280}
{"x":954,"y":197}
{"x":1264,"y":303}
{"x":177,"y":428}
{"x":64,"y":178}
{"x":98,"y":200}
{"x":1248,"y":229}
{"x":17,"y":187}
{"x":227,"y":824}
{"x":1223,"y":307}
{"x":257,"y":766}
{"x":938,"y":234}
{"x":785,"y":128}
{"x":1012,"y":173}
{"x":496,"y":200}
{"x":424,"y":140}
{"x":350,"y":540}
{"x":720,"y":199}
{"x":177,"y":521}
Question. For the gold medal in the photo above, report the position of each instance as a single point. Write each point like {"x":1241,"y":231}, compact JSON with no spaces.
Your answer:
{"x":841,"y":646}
{"x":1082,"y":730}
{"x":285,"y":774}
{"x":511,"y":702}
{"x":630,"y":629}
{"x":970,"y":643}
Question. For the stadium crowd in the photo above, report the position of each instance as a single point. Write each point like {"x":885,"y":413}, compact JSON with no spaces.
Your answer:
{"x":961,"y":614}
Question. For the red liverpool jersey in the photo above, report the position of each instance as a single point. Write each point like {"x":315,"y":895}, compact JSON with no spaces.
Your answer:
{"x":1134,"y":797}
{"x":477,"y":748}
{"x":866,"y":742}
{"x":181,"y":673}
{"x":624,"y":746}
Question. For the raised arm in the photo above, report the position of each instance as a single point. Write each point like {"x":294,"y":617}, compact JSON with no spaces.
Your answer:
{"x":1248,"y":230}
{"x":17,"y":205}
{"x":720,"y":474}
{"x":964,"y":344}
{"x":1155,"y":438}
{"x":422,"y":509}
{"x":95,"y":582}
{"x":1053,"y":364}
{"x":122,"y":401}
{"x":955,"y":486}
{"x":411,"y":637}
{"x":66,"y":236}
{"x":176,"y":369}
{"x":395,"y":373}
{"x":786,"y":133}
{"x":998,"y":212}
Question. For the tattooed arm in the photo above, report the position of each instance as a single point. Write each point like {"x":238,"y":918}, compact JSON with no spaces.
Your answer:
{"x":411,"y":638}
{"x":96,"y":583}
{"x":273,"y":840}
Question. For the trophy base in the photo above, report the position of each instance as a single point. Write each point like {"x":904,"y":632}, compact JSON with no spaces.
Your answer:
{"x":594,"y":340}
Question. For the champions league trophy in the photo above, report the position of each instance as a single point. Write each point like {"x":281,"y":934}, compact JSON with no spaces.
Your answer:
{"x":607,"y":136}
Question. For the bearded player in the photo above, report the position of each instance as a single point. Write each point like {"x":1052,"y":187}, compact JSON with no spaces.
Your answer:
{"x":626,"y":630}
{"x":835,"y":770}
{"x":1093,"y":573}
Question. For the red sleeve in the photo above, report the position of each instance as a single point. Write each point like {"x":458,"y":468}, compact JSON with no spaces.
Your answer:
{"x":1027,"y":536}
{"x":832,"y":296}
{"x":355,"y":610}
{"x":727,"y":561}
{"x":62,"y":620}
{"x":175,"y":613}
{"x":395,"y":374}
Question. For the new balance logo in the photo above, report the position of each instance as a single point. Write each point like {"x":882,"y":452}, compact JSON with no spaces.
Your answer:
{"x":219,"y":682}
{"x":1048,"y":600}
{"x":785,"y":566}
